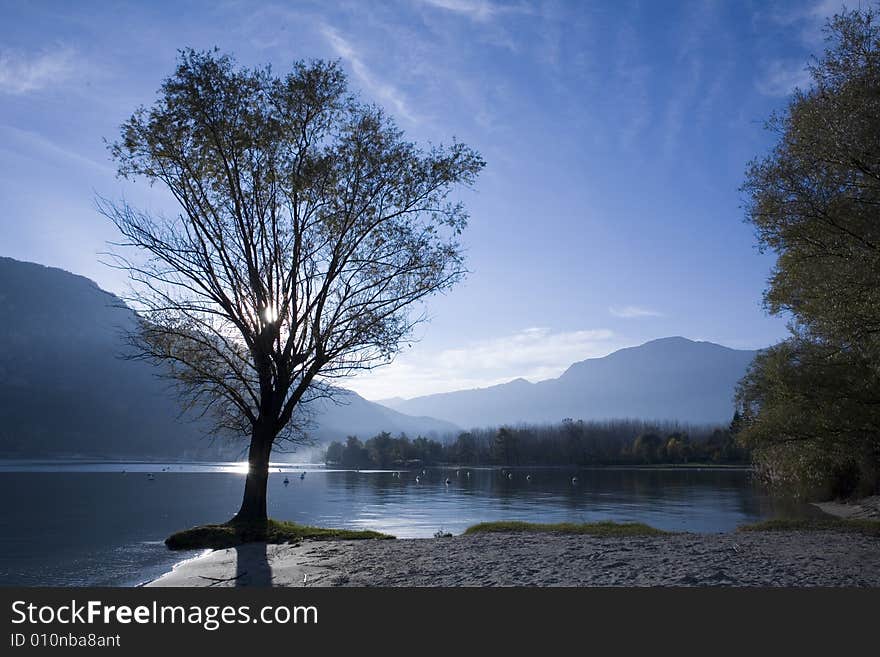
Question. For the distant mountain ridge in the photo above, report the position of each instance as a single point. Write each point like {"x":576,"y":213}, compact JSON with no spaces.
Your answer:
{"x":666,"y":379}
{"x":65,"y":389}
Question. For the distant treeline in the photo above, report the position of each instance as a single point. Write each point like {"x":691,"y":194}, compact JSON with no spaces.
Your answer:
{"x":575,"y":443}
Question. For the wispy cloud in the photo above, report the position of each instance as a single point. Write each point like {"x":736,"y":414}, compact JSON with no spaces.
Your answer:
{"x":781,"y":78}
{"x":476,"y":10}
{"x":630,"y":85}
{"x":22,"y":73}
{"x":372,"y":83}
{"x":633,"y":312}
{"x":823,"y":9}
{"x":532,"y":353}
{"x":808,"y":17}
{"x":700,"y":77}
{"x":29,"y":144}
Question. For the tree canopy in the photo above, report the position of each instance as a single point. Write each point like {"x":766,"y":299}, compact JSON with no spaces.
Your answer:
{"x":811,"y":405}
{"x":815,"y":200}
{"x":308,"y":228}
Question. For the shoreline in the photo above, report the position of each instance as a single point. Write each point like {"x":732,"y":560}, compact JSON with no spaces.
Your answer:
{"x":335,"y":467}
{"x":865,"y":508}
{"x":767,"y":558}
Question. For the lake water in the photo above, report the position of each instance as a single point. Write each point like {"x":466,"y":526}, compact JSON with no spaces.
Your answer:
{"x":76,"y":524}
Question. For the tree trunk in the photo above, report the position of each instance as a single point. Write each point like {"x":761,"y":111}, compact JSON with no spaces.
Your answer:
{"x":253,"y":505}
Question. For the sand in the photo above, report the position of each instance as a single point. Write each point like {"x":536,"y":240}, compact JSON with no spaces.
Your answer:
{"x":787,"y":558}
{"x":866,"y":508}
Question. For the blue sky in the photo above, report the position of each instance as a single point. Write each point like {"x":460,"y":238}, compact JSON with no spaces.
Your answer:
{"x":616,"y":135}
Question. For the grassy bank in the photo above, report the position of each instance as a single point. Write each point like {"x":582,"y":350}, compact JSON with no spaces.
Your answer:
{"x":612,"y":529}
{"x":868,"y":527}
{"x":606,"y":528}
{"x":278,"y":531}
{"x":231,"y":534}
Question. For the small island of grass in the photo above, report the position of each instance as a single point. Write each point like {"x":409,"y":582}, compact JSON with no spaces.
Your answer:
{"x":604,"y":528}
{"x":230,"y":534}
{"x":859,"y":526}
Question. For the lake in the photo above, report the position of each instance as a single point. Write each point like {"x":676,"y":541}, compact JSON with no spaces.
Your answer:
{"x":82,"y":523}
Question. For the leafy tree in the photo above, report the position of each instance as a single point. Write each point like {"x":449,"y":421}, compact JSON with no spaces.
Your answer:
{"x":574,"y":445}
{"x":810,"y":406}
{"x":505,"y":446}
{"x":465,"y":449}
{"x":810,"y":417}
{"x":646,"y":447}
{"x":677,"y":448}
{"x":334,"y":453}
{"x":307,"y":229}
{"x":815,"y":198}
{"x":354,"y":454}
{"x":380,"y":450}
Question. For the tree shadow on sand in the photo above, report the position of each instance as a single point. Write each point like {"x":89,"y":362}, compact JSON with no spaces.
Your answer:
{"x":252,"y":565}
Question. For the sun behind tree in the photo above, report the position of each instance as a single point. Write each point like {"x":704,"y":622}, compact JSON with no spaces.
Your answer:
{"x":308,"y":227}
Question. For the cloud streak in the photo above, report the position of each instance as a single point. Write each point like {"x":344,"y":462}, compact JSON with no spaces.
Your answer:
{"x":533,"y":353}
{"x":29,"y":143}
{"x":633,"y":312}
{"x":375,"y":86}
{"x":22,"y":73}
{"x":782,"y":78}
{"x":810,"y":18}
{"x":476,"y":10}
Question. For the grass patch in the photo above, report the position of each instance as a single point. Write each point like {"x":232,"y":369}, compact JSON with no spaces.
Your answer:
{"x":868,"y":527}
{"x":230,"y":534}
{"x":605,"y":528}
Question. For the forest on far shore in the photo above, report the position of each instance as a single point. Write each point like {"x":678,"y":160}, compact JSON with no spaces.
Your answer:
{"x":570,"y":443}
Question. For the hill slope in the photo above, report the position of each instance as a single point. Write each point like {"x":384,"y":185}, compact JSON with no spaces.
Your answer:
{"x":65,"y":389}
{"x":667,"y":379}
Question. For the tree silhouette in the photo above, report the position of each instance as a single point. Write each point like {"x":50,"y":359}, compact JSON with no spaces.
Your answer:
{"x":308,"y":227}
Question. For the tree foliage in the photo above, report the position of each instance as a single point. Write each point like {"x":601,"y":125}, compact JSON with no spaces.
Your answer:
{"x":308,"y":228}
{"x":811,"y":405}
{"x":812,"y":418}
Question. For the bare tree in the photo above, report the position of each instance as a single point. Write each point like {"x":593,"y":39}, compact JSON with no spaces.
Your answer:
{"x":308,"y":228}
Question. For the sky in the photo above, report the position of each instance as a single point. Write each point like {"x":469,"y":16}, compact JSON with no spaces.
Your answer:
{"x":616,"y":136}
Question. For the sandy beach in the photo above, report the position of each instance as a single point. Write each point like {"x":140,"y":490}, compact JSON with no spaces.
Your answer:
{"x":786,"y":558}
{"x":866,"y":508}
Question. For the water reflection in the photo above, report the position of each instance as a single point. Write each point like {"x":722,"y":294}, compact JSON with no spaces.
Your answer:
{"x":92,"y":523}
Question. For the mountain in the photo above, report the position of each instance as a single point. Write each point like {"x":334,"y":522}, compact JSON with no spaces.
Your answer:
{"x":66,"y":388}
{"x":351,"y":414}
{"x":666,"y":379}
